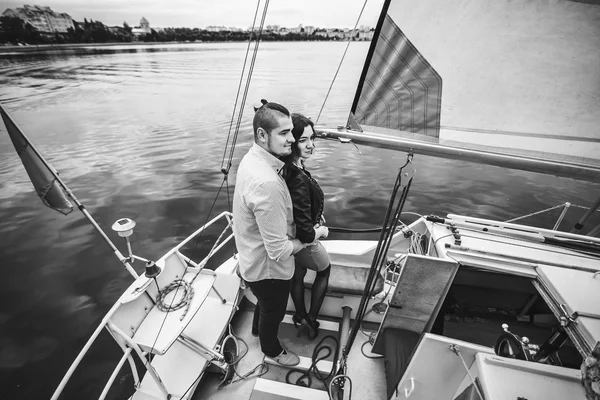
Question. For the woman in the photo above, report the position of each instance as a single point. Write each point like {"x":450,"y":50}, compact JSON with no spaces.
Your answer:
{"x":308,"y":201}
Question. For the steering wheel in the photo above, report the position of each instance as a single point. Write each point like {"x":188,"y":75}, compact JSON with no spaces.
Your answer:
{"x":510,"y":346}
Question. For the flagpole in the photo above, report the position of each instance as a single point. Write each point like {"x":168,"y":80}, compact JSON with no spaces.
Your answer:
{"x":91,"y":219}
{"x":69,"y":193}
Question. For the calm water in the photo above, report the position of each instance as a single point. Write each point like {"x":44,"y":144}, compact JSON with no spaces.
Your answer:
{"x":140,"y":132}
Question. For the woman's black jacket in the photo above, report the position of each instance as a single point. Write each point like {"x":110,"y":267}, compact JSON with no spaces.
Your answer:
{"x":308,"y":201}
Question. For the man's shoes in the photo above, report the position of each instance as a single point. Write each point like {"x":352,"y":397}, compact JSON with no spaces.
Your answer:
{"x":286,"y":358}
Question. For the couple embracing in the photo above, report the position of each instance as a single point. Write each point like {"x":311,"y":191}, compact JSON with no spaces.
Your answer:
{"x":277,"y":221}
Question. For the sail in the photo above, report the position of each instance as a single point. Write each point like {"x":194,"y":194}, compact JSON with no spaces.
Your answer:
{"x":516,"y":77}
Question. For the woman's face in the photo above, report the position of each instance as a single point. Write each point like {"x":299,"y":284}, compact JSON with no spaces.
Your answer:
{"x":306,"y":142}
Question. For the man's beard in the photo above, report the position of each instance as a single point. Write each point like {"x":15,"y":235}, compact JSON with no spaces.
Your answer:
{"x":273,"y":152}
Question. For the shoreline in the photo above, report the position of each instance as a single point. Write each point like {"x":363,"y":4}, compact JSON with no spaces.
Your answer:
{"x":46,"y":48}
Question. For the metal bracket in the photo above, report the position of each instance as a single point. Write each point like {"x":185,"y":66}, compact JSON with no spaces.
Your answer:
{"x":566,"y":319}
{"x":406,"y":176}
{"x":455,"y":348}
{"x":408,"y":392}
{"x":352,"y":124}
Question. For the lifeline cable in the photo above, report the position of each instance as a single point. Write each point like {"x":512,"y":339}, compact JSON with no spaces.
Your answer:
{"x":365,"y":230}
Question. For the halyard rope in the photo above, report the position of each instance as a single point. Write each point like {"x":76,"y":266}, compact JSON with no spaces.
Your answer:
{"x":341,"y":61}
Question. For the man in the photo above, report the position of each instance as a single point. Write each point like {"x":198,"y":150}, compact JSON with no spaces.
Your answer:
{"x":263,"y":224}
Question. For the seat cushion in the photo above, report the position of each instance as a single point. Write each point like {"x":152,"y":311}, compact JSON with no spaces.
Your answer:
{"x":347,"y":279}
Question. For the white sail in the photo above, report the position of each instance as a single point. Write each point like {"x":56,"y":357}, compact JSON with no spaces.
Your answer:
{"x":518,"y":77}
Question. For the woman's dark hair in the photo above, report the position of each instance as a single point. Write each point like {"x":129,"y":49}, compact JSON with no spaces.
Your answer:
{"x":300,"y":122}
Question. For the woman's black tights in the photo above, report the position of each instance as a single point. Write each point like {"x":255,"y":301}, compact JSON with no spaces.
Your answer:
{"x":318,"y":291}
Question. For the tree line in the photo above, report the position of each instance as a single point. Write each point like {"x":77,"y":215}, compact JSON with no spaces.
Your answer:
{"x":15,"y":31}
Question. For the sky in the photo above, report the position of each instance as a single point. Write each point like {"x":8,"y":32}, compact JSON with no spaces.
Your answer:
{"x":202,"y":13}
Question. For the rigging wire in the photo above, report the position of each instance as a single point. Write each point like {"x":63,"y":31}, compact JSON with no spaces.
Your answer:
{"x":391,"y":221}
{"x":249,"y":79}
{"x":341,"y":61}
{"x":226,"y":167}
{"x":413,"y":248}
{"x":224,"y":170}
{"x":239,"y":87}
{"x":225,"y":179}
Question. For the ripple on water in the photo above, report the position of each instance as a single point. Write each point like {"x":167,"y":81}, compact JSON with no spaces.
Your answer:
{"x":140,"y":132}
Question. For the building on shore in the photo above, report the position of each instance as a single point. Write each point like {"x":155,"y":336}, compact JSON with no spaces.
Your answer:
{"x":142,"y":30}
{"x":42,"y":18}
{"x":364,"y":33}
{"x":214,"y":28}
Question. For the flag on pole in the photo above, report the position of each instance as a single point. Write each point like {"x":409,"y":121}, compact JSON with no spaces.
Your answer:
{"x":42,"y":175}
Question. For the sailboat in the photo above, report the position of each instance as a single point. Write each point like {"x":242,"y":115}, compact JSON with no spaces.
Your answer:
{"x":452,"y":307}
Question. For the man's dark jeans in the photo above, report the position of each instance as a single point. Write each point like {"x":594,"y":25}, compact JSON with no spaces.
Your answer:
{"x":272,"y":295}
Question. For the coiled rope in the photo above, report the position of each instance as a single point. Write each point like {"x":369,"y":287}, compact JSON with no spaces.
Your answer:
{"x":255,"y":372}
{"x":178,"y":285}
{"x":305,"y":378}
{"x":185,"y":286}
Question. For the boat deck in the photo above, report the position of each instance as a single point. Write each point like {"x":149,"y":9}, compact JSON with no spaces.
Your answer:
{"x":367,"y":375}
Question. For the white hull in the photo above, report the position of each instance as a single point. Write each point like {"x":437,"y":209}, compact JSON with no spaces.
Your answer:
{"x":184,"y":347}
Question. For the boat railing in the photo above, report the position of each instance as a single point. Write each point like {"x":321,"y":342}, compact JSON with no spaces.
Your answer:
{"x":126,"y":357}
{"x":218,"y":244}
{"x":565,"y":208}
{"x":124,"y":342}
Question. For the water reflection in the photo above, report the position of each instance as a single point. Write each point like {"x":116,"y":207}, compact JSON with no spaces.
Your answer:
{"x":140,"y":132}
